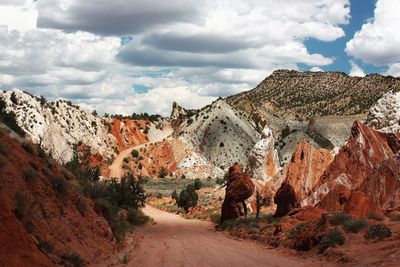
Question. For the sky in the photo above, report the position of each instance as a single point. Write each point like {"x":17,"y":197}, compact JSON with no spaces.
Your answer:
{"x":125,"y":56}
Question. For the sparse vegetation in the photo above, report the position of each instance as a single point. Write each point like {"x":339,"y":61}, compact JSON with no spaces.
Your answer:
{"x":378,"y":232}
{"x":8,"y":118}
{"x":60,"y":185}
{"x":261,"y":201}
{"x":331,"y":239}
{"x":340,"y":218}
{"x":376,"y":217}
{"x":135,"y":153}
{"x":197,"y":184}
{"x":29,"y":174}
{"x":163,"y":172}
{"x":73,"y":259}
{"x":46,"y":246}
{"x":81,"y":205}
{"x":188,"y":198}
{"x":22,"y":210}
{"x":294,"y":233}
{"x":355,"y":226}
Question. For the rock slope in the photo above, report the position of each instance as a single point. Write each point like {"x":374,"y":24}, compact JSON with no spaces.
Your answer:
{"x":385,"y":114}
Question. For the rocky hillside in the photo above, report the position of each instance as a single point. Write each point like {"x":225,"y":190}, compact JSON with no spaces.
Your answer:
{"x":44,"y":220}
{"x":314,"y":94}
{"x":221,"y":134}
{"x":385,"y":114}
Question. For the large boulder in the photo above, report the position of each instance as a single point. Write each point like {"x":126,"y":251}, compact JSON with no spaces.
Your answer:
{"x":369,"y":163}
{"x":301,"y":174}
{"x":239,"y":188}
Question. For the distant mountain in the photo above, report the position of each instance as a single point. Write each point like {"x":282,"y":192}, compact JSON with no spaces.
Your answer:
{"x":289,"y":93}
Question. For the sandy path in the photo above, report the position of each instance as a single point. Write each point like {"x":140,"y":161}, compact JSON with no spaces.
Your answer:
{"x":174,"y":241}
{"x":116,"y":167}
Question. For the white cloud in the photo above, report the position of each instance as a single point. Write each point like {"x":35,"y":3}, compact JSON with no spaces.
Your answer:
{"x":394,"y":70}
{"x":378,"y":41}
{"x":356,"y":70}
{"x":316,"y":69}
{"x":200,"y":49}
{"x":22,"y":17}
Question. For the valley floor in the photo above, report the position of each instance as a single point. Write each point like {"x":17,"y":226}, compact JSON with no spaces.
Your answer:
{"x":175,"y":241}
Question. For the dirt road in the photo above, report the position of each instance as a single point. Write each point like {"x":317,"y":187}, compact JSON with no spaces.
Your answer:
{"x":174,"y":241}
{"x":116,"y":167}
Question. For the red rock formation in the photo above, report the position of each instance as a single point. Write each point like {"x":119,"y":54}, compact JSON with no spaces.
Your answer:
{"x":47,"y":216}
{"x":129,"y":132}
{"x":301,"y":174}
{"x":239,"y":188}
{"x":369,"y":164}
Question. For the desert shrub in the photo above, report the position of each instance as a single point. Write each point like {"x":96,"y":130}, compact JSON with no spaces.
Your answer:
{"x":126,"y":160}
{"x":74,"y":259}
{"x":159,"y":195}
{"x":215,"y":218}
{"x":29,"y":147}
{"x":29,"y":174}
{"x":119,"y":227}
{"x":60,"y":185}
{"x":45,"y":246}
{"x":340,"y":218}
{"x":81,"y":206}
{"x":163,"y":173}
{"x":294,"y":233}
{"x":91,"y":173}
{"x":22,"y":210}
{"x":34,"y":165}
{"x":3,"y":149}
{"x":136,"y":217}
{"x":197,"y":184}
{"x":47,"y":172}
{"x":125,"y":259}
{"x":188,"y":198}
{"x":376,"y":217}
{"x":378,"y":232}
{"x":396,"y":219}
{"x":331,"y":239}
{"x":68,"y":175}
{"x":140,"y":158}
{"x":183,"y":176}
{"x":355,"y":226}
{"x":175,"y":196}
{"x":135,"y":153}
{"x":9,"y":119}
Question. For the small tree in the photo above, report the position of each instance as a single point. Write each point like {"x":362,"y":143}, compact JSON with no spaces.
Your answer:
{"x":175,"y":196}
{"x":163,"y":172}
{"x":197,"y":184}
{"x":188,"y":198}
{"x":135,"y":153}
{"x":260,"y":202}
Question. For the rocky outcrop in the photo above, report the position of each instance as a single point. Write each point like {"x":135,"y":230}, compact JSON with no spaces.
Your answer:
{"x":239,"y":188}
{"x":130,"y":132}
{"x":301,"y":174}
{"x":35,"y":215}
{"x":385,"y":114}
{"x":263,"y":162}
{"x":178,"y":112}
{"x":58,"y":126}
{"x":369,"y":163}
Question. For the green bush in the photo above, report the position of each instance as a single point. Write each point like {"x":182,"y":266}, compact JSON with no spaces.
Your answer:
{"x":396,"y":219}
{"x":163,"y":173}
{"x":137,"y":217}
{"x":119,"y":227}
{"x":175,"y":196}
{"x":22,"y":210}
{"x":74,"y":259}
{"x":29,"y":174}
{"x":294,"y":233}
{"x":29,"y":147}
{"x":378,"y":232}
{"x":340,"y":218}
{"x":126,"y":160}
{"x":45,"y":246}
{"x":92,"y":173}
{"x":331,"y":239}
{"x":135,"y":153}
{"x":197,"y":184}
{"x":188,"y":198}
{"x":159,"y":195}
{"x":81,"y":206}
{"x":60,"y":185}
{"x":376,"y":217}
{"x":355,"y":226}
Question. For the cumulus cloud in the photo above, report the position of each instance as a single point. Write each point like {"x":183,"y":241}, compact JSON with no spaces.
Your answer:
{"x":180,"y":49}
{"x":378,"y":41}
{"x":356,"y":70}
{"x":316,"y":69}
{"x":394,"y":70}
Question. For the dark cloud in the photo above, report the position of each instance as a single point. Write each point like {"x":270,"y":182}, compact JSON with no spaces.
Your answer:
{"x":199,"y":43}
{"x":152,"y":57}
{"x":115,"y":17}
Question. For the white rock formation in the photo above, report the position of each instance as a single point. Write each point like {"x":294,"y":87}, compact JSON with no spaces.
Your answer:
{"x":58,"y":126}
{"x":385,"y":114}
{"x":263,"y":161}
